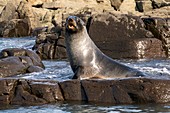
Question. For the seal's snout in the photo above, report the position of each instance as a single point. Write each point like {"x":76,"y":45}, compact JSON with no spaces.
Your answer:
{"x":71,"y":24}
{"x":74,"y":24}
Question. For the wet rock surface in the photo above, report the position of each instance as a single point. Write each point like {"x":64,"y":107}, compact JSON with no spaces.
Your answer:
{"x":118,"y":91}
{"x":14,"y":61}
{"x":50,"y":46}
{"x":110,"y":31}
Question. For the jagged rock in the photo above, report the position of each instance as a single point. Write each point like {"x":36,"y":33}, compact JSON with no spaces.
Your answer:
{"x":38,"y":2}
{"x":128,"y":6}
{"x":116,"y":91}
{"x":50,"y":46}
{"x":144,"y":5}
{"x":2,"y":4}
{"x":7,"y":90}
{"x":11,"y":66}
{"x":111,"y":31}
{"x":16,"y":61}
{"x":72,"y":90}
{"x":16,"y":28}
{"x":119,"y":91}
{"x":160,"y":3}
{"x":25,"y":11}
{"x":133,"y":90}
{"x":9,"y":10}
{"x":2,"y":25}
{"x":158,"y":23}
{"x":116,"y":4}
{"x":35,"y":92}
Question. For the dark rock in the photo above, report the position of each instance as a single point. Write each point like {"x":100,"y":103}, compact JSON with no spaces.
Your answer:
{"x":160,"y":29}
{"x":12,"y":52}
{"x":116,"y":4}
{"x":7,"y":90}
{"x":137,"y":48}
{"x":116,"y":27}
{"x":36,"y":92}
{"x":34,"y":69}
{"x":39,"y":30}
{"x":17,"y":28}
{"x":16,"y":61}
{"x":2,"y":25}
{"x":49,"y":91}
{"x":50,"y":46}
{"x":116,"y":91}
{"x":22,"y":52}
{"x":160,"y":3}
{"x":28,"y":92}
{"x":144,"y":5}
{"x":123,"y":91}
{"x":72,"y":90}
{"x":11,"y":66}
{"x":119,"y":91}
{"x":35,"y":58}
{"x":111,"y":31}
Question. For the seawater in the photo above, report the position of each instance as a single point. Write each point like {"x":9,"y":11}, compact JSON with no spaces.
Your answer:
{"x":61,"y":70}
{"x":75,"y":107}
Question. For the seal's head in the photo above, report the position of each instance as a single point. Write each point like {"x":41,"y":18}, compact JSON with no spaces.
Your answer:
{"x":74,"y":24}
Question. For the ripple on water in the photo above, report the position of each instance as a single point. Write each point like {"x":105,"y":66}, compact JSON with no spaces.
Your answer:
{"x":78,"y":107}
{"x":26,"y":42}
{"x":55,"y":70}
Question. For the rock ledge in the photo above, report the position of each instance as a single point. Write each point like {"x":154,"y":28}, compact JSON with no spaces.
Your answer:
{"x":117,"y":91}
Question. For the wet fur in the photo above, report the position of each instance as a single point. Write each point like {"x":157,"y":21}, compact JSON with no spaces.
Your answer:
{"x":87,"y":61}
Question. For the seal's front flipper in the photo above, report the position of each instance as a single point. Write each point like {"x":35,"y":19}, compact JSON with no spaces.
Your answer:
{"x":77,"y":73}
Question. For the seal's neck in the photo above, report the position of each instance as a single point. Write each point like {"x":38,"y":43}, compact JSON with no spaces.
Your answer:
{"x":79,"y":46}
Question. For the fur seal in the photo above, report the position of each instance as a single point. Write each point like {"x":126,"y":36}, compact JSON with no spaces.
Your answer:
{"x":86,"y":60}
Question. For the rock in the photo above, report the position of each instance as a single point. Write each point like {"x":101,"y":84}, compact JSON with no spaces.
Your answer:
{"x":16,"y":28}
{"x":127,"y":91}
{"x":128,"y":6}
{"x":35,"y":92}
{"x":2,"y":4}
{"x":160,"y":3}
{"x":16,"y":61}
{"x":116,"y":4}
{"x":158,"y":24}
{"x":133,"y":49}
{"x":11,"y":66}
{"x":7,"y":90}
{"x":144,"y":5}
{"x":110,"y":31}
{"x":34,"y":69}
{"x":117,"y":91}
{"x":72,"y":90}
{"x":50,"y":46}
{"x":9,"y":11}
{"x":53,"y":5}
{"x":2,"y":25}
{"x":38,"y":2}
{"x":25,"y":11}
